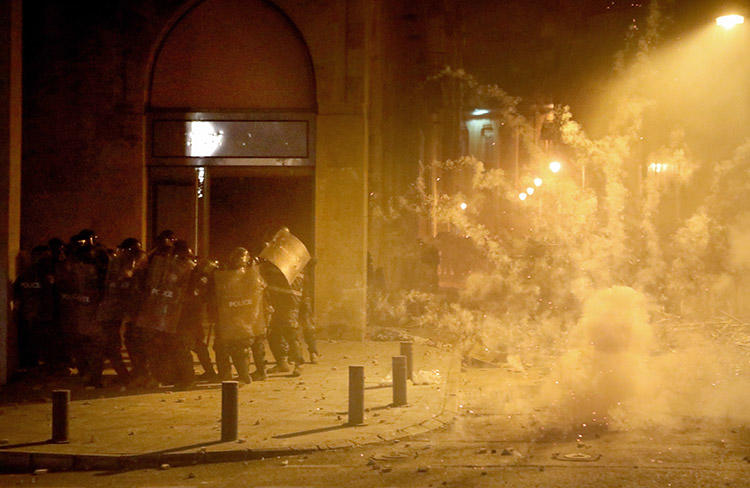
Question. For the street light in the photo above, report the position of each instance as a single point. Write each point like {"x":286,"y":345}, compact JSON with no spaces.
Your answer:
{"x":530,"y":190}
{"x":555,"y":166}
{"x":537,"y":182}
{"x":522,"y":196}
{"x":730,"y":21}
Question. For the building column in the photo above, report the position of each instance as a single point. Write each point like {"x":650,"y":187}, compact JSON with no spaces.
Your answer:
{"x":10,"y":173}
{"x":341,"y":224}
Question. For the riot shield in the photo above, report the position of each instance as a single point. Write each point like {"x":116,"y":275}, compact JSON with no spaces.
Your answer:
{"x":78,"y":287}
{"x":287,"y":253}
{"x":34,"y":292}
{"x":121,"y":288}
{"x":240,"y":304}
{"x":166,"y":282}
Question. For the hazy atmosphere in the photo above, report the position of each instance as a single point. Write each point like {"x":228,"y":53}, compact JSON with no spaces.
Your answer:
{"x":376,"y":243}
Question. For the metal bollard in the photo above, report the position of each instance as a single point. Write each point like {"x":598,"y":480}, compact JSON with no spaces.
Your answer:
{"x":399,"y":381}
{"x":229,"y":390}
{"x":407,"y":349}
{"x":356,"y":395}
{"x":60,"y":416}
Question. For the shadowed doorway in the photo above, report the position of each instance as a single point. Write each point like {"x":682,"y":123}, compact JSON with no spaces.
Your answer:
{"x":247,"y":210}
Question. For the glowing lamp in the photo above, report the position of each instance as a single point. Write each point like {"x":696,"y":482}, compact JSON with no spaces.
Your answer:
{"x":729,"y":21}
{"x":480,"y":111}
{"x":463,"y":205}
{"x":530,"y":191}
{"x":537,"y":182}
{"x":522,"y":196}
{"x":555,"y":166}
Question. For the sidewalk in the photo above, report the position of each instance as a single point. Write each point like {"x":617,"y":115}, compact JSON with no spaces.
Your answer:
{"x":114,"y":428}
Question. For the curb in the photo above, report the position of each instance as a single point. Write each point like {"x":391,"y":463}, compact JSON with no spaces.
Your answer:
{"x":28,"y":462}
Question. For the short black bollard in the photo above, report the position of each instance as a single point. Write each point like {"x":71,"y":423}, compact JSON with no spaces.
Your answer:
{"x":407,"y":349}
{"x":399,"y":381}
{"x":60,"y":416}
{"x":229,"y":390}
{"x":356,"y":395}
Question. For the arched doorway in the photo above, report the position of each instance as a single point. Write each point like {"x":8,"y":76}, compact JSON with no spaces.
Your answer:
{"x":231,"y":128}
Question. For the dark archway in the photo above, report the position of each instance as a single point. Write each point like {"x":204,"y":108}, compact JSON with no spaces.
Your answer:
{"x":231,"y":127}
{"x":232,"y":55}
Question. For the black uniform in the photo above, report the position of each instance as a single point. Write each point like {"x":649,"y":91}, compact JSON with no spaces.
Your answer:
{"x":283,"y":328}
{"x":80,"y":283}
{"x":241,"y":320}
{"x":191,"y":333}
{"x":120,"y":303}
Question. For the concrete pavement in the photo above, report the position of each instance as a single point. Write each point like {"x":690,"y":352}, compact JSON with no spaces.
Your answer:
{"x":116,"y":428}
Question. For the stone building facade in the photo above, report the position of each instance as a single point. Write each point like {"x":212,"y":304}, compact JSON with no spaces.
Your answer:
{"x":88,"y":137}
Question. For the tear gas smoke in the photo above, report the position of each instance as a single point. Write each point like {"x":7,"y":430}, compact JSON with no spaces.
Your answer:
{"x":604,"y":367}
{"x":627,"y":292}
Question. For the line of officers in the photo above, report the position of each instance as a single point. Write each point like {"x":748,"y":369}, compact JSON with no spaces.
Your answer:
{"x":77,"y":303}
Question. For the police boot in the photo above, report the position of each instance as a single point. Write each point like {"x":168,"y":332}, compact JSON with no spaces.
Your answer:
{"x":258,"y":348}
{"x":297,"y":369}
{"x":281,"y":366}
{"x":258,"y":375}
{"x":314,"y":355}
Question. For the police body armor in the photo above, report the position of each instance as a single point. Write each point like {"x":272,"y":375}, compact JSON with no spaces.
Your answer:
{"x":166,"y":282}
{"x":122,"y":287}
{"x":196,"y":299}
{"x":240,"y":303}
{"x":78,"y":287}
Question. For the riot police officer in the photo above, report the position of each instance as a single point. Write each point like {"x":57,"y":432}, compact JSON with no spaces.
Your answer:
{"x":283,"y":336}
{"x":33,"y":294}
{"x":164,"y":244}
{"x":283,"y":260}
{"x":241,"y":316}
{"x":166,"y":282}
{"x":306,"y":318}
{"x":80,"y":283}
{"x":191,"y":331}
{"x":119,"y":304}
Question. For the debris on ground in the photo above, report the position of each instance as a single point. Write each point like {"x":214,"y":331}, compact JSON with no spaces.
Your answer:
{"x":423,"y":377}
{"x":387,"y":334}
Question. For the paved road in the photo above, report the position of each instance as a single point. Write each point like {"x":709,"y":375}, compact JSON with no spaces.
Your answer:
{"x":486,"y":446}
